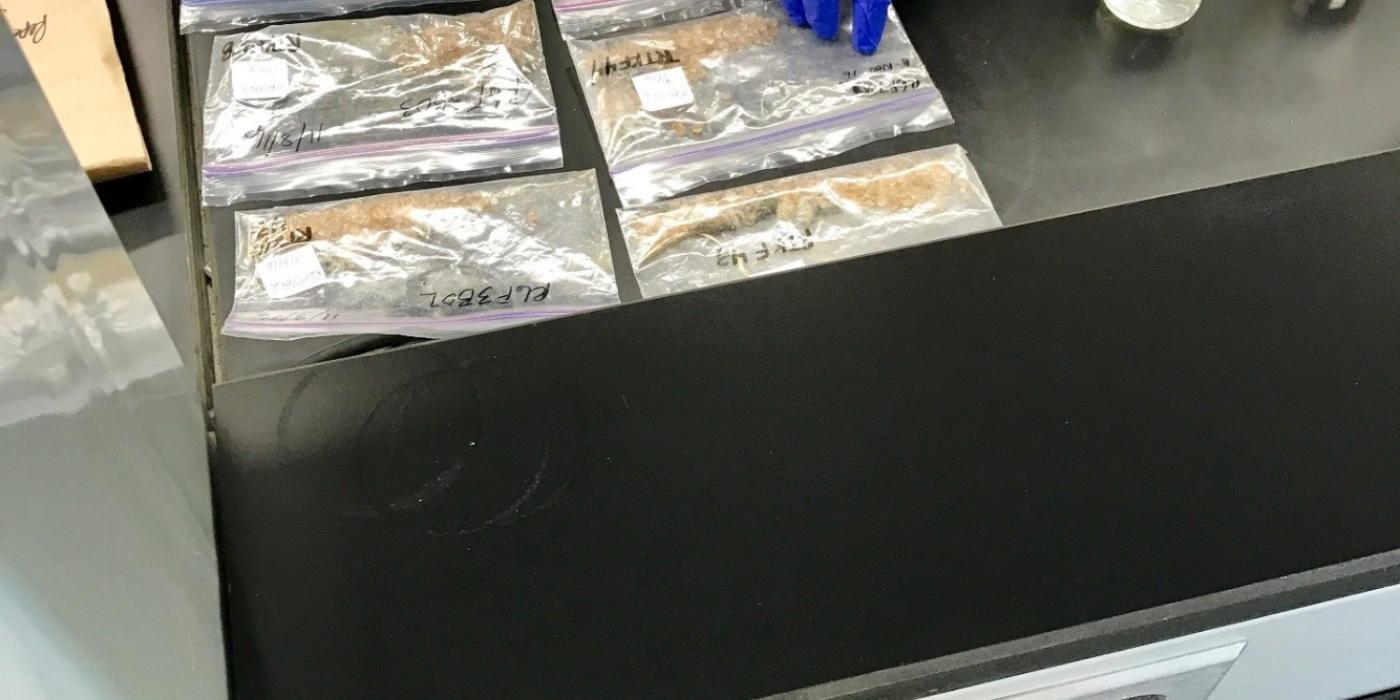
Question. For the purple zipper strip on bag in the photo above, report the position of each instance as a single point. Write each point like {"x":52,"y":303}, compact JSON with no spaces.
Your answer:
{"x":410,"y":321}
{"x":930,"y":95}
{"x":369,"y":149}
{"x":445,"y":322}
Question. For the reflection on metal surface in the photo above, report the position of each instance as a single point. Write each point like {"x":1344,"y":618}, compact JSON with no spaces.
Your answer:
{"x":1142,"y":34}
{"x":108,"y":585}
{"x":1187,"y":677}
{"x":1130,"y":50}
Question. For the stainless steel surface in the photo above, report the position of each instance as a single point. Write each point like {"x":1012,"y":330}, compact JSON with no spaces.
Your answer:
{"x":108,"y":585}
{"x":1305,"y":639}
{"x":1342,"y":648}
{"x":1191,"y":676}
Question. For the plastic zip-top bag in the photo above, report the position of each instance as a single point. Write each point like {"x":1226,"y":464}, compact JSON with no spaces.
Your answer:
{"x":217,"y":15}
{"x":429,"y":263}
{"x":804,"y":220}
{"x":709,"y":99}
{"x":587,"y":18}
{"x":344,"y":105}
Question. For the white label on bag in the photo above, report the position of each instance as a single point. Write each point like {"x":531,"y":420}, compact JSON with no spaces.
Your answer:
{"x":664,"y":89}
{"x":291,"y":273}
{"x":260,"y":80}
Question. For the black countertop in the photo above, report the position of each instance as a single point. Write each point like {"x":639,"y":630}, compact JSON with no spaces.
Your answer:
{"x":775,"y":484}
{"x":1060,"y":113}
{"x":806,"y":477}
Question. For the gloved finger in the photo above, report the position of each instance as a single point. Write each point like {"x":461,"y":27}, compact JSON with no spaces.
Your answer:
{"x":868,"y":24}
{"x":795,"y":12}
{"x":824,"y":16}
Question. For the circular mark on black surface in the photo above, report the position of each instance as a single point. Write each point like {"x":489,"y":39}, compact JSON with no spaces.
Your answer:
{"x":319,"y":415}
{"x":464,"y":449}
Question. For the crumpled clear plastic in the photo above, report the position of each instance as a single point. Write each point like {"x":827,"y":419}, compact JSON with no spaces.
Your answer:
{"x":804,"y":220}
{"x":217,"y":15}
{"x":590,"y":18}
{"x":429,"y":263}
{"x":346,"y":105}
{"x":710,"y":99}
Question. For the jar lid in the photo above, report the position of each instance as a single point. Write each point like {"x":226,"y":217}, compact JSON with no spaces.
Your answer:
{"x":1153,"y":15}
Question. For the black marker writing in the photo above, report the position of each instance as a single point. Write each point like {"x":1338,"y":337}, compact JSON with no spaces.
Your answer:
{"x":895,"y":87}
{"x":303,"y":317}
{"x":521,"y":294}
{"x":494,"y":98}
{"x":441,"y":102}
{"x":731,"y":256}
{"x":285,"y":43}
{"x":879,"y":68}
{"x":618,"y":64}
{"x":277,"y":139}
{"x":486,"y":98}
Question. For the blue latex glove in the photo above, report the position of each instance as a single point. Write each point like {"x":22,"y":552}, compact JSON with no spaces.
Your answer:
{"x":824,"y":17}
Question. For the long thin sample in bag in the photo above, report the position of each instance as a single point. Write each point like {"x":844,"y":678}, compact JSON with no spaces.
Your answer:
{"x":216,"y":15}
{"x":587,"y":18}
{"x":346,"y":105}
{"x":709,"y":99}
{"x":804,"y":220}
{"x":430,"y":263}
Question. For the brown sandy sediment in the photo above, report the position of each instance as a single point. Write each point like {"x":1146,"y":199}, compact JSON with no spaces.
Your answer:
{"x":370,"y":219}
{"x":800,"y":200}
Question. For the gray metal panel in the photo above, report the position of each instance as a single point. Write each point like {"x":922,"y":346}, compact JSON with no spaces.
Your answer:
{"x":1189,"y":676}
{"x":108,"y":577}
{"x":1332,"y":609}
{"x":1341,"y":648}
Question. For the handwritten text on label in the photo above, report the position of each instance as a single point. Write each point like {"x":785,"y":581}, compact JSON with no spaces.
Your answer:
{"x":664,"y":89}
{"x":277,"y":139}
{"x":285,"y":43}
{"x":260,"y":79}
{"x":520,"y":294}
{"x":732,"y":256}
{"x":290,"y":273}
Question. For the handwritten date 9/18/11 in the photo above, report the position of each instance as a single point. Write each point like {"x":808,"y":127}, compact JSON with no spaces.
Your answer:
{"x":484,"y":297}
